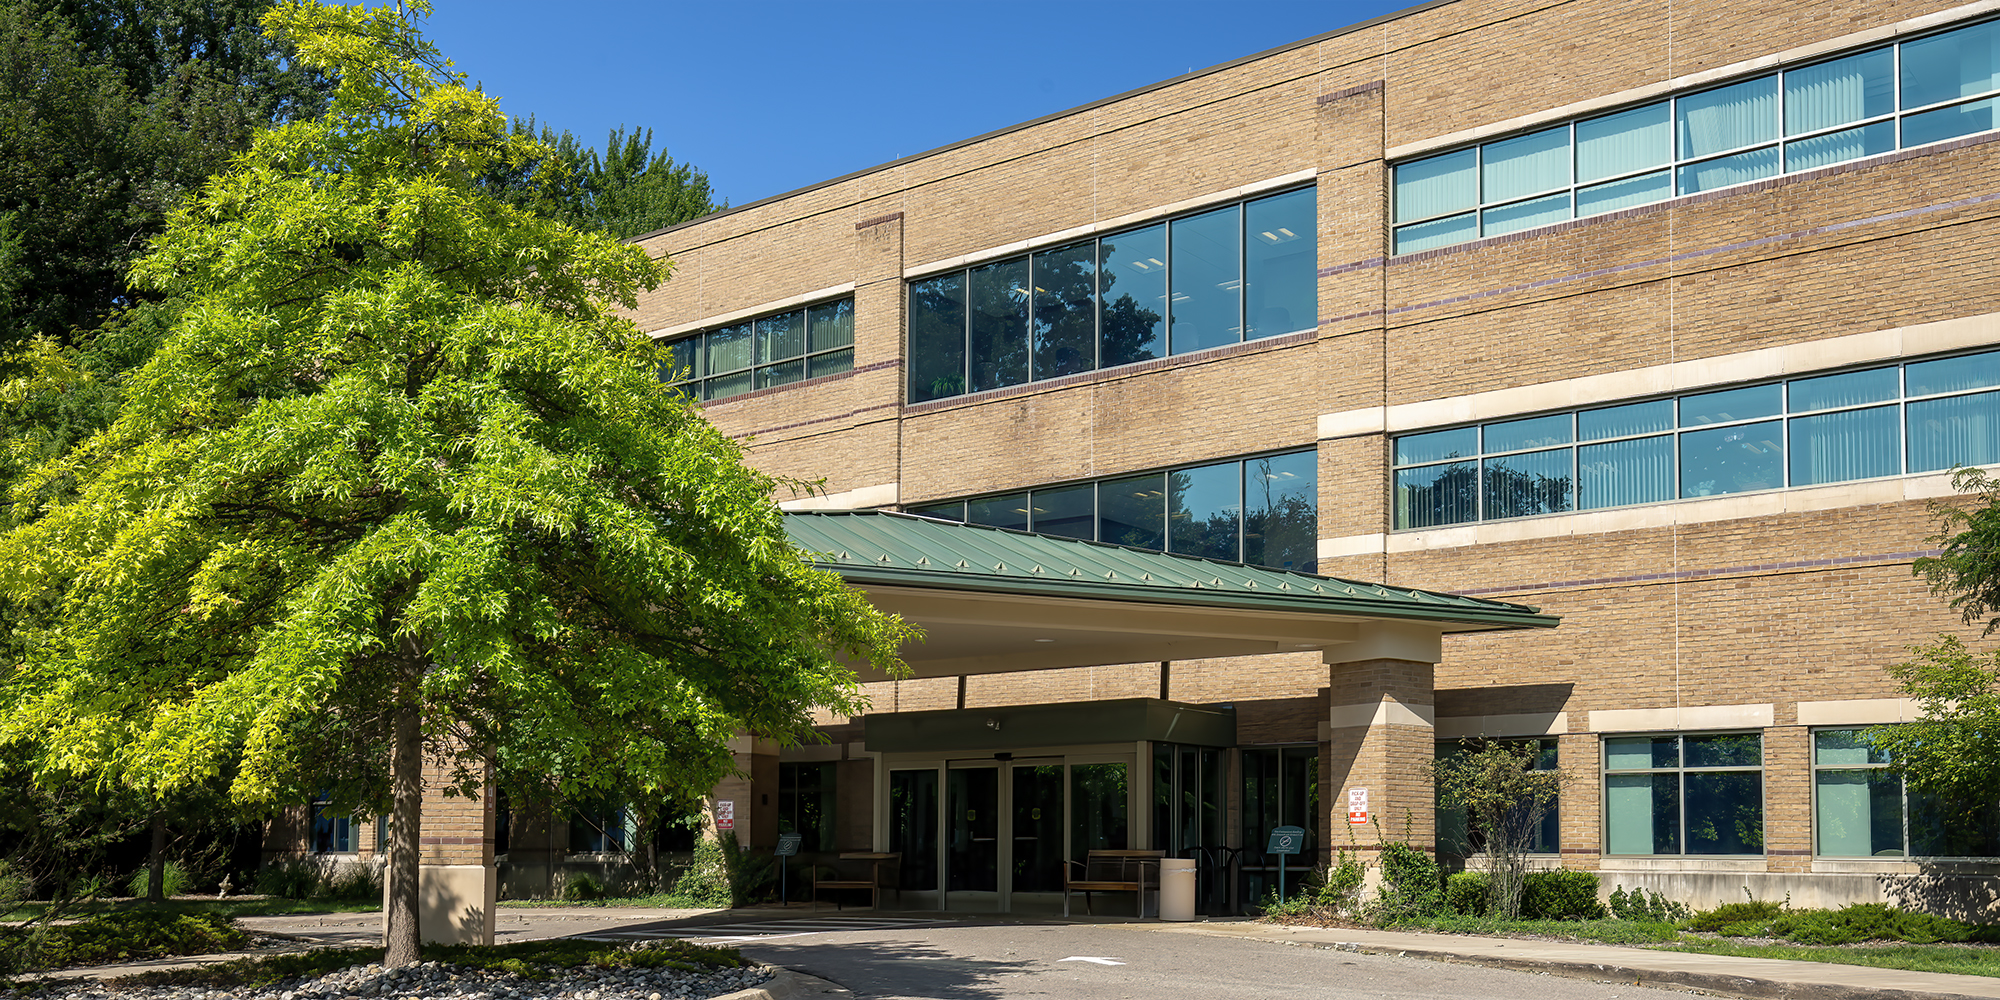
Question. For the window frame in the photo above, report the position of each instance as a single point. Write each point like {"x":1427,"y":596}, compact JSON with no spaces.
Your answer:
{"x":342,"y":831}
{"x":1682,"y":770}
{"x":1909,"y":853}
{"x":1677,"y":162}
{"x":704,"y":381}
{"x":934,"y":508}
{"x":1166,"y":345}
{"x":1786,"y":416}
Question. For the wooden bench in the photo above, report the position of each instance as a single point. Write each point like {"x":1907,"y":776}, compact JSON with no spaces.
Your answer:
{"x":1112,"y":871}
{"x":883,"y":871}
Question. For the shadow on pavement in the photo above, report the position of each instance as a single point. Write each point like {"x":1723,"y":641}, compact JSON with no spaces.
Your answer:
{"x":893,"y":968}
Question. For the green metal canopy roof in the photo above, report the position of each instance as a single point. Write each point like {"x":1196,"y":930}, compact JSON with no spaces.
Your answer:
{"x":884,"y":548}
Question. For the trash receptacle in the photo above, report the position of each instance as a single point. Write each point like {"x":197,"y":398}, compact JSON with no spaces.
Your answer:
{"x":1176,"y":888}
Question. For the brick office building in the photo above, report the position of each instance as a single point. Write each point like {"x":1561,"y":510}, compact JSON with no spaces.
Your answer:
{"x":1666,"y":319}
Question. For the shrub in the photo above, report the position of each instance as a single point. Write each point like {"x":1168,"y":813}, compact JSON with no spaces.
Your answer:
{"x":173,"y":876}
{"x":1561,"y":894}
{"x":705,"y":883}
{"x":1750,"y":911}
{"x":1642,"y":904}
{"x":1412,"y":886}
{"x":291,"y":878}
{"x":354,"y":883}
{"x":1339,"y":885}
{"x":1467,"y":893}
{"x":582,"y":887}
{"x":122,"y":937}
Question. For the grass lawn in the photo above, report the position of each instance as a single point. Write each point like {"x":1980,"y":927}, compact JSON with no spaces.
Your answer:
{"x":235,"y":906}
{"x":1963,"y":959}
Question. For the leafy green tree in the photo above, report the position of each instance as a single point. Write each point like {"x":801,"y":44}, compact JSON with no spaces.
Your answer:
{"x":397,"y":486}
{"x":1951,"y":753}
{"x":626,"y":190}
{"x":110,"y":114}
{"x":1505,"y":797}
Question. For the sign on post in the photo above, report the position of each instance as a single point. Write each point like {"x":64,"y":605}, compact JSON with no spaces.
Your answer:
{"x":788,"y":846}
{"x":1357,"y":806}
{"x":725,"y":815}
{"x":1285,"y":840}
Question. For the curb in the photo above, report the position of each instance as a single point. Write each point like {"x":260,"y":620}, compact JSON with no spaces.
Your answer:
{"x":786,"y":985}
{"x":1713,"y":982}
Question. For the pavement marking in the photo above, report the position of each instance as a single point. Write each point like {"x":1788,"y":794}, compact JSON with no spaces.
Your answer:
{"x":1091,"y":959}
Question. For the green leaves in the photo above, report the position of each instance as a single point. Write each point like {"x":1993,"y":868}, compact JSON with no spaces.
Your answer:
{"x":1966,"y":570}
{"x":395,"y":450}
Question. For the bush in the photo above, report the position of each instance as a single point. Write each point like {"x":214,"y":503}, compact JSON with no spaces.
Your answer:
{"x":173,"y":876}
{"x":705,"y":883}
{"x":582,"y":887}
{"x":1412,"y":886}
{"x":1751,"y":911}
{"x":1561,"y":894}
{"x":1856,"y":922}
{"x":353,"y":883}
{"x":1339,"y":884}
{"x":1643,"y":905}
{"x":1467,"y":893}
{"x":123,"y":937}
{"x":291,"y":878}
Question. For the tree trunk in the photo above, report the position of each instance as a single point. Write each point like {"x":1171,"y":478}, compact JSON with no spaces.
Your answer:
{"x":402,"y":936}
{"x":156,"y":879}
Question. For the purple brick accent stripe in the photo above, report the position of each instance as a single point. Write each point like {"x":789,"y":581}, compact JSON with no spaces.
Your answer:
{"x":1702,"y":574}
{"x":1328,"y":272}
{"x":1338,"y":95}
{"x":1106,"y":374}
{"x":877,"y":220}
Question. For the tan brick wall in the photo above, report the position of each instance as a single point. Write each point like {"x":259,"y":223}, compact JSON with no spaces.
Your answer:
{"x":1774,"y":609}
{"x":1391,"y":760}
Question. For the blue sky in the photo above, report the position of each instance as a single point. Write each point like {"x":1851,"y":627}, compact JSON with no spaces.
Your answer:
{"x":768,"y":97}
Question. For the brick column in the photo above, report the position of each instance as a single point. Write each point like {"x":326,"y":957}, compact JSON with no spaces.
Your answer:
{"x":457,"y":886}
{"x":1581,"y":804}
{"x":1381,"y":734}
{"x":752,"y":793}
{"x":1788,"y":799}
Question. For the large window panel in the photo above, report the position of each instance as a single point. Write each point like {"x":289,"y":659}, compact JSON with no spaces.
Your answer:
{"x":1843,"y":90}
{"x":1850,"y":444}
{"x":1650,"y":417}
{"x":1955,"y":430}
{"x":1736,"y":459}
{"x":1724,"y":171}
{"x":1281,"y":264}
{"x":1099,"y":803}
{"x":1628,"y":141}
{"x":1281,"y":511}
{"x":1009,"y":511}
{"x":1642,"y":814}
{"x":1672,"y":794}
{"x":1528,"y":484}
{"x":732,"y":348}
{"x":913,"y":826}
{"x":1434,"y":495}
{"x":1204,"y":508}
{"x":1726,"y":118}
{"x":1620,"y":473}
{"x":1955,"y":64}
{"x":1628,"y":193}
{"x":1065,"y":311}
{"x":1526,"y":214}
{"x":1437,"y":233}
{"x":1971,"y":371}
{"x":781,"y":336}
{"x":1437,"y":185}
{"x":937,"y":337}
{"x":1069,"y":511}
{"x":1525,"y":165}
{"x":1207,"y":280}
{"x":1133,"y":511}
{"x":1132,"y":294}
{"x":997,"y":305}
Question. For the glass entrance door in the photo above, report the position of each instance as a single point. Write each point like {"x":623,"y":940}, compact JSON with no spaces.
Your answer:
{"x":1037,"y":834}
{"x":972,"y":829}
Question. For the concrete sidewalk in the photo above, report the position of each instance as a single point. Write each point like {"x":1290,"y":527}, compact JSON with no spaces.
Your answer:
{"x":1749,"y":977}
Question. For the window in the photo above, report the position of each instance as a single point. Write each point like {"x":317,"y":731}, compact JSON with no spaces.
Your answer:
{"x":1875,"y":101}
{"x":1923,"y":416}
{"x":1673,"y":794}
{"x":1860,"y":809}
{"x":769,"y":351}
{"x":1263,"y":511}
{"x":1457,"y":837}
{"x":601,"y":829}
{"x":1280,"y":788}
{"x":806,"y":804}
{"x":331,"y":834}
{"x":1236,"y":273}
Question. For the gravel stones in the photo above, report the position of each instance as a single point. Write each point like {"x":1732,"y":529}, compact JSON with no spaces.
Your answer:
{"x":438,"y":981}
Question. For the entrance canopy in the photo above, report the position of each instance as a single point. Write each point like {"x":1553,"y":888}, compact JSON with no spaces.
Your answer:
{"x":993,"y":599}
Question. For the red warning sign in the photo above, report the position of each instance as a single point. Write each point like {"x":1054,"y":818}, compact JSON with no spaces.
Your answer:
{"x":725,"y":815}
{"x":1357,"y":806}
